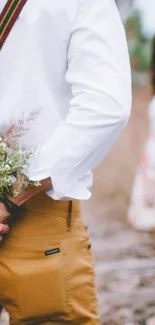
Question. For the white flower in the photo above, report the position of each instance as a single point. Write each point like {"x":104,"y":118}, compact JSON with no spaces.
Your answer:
{"x":12,"y":179}
{"x":3,"y":145}
{"x":7,"y":167}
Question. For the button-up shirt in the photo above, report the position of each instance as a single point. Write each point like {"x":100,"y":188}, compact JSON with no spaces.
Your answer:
{"x":69,"y":60}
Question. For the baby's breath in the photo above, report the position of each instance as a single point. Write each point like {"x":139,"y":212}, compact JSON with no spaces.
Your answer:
{"x":13,"y":158}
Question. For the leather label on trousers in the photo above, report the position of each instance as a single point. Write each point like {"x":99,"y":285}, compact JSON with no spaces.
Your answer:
{"x":52,"y":251}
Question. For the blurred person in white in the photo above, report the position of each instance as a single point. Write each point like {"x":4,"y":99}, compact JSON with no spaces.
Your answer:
{"x":141,"y":213}
{"x":70,"y":60}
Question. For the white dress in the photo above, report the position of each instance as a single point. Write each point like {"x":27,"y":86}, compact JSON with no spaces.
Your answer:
{"x":141,"y":212}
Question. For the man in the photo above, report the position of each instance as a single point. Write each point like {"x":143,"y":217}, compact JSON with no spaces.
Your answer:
{"x":68,"y":59}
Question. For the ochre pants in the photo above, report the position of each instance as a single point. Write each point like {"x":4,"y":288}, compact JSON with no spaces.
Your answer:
{"x":46,"y":267}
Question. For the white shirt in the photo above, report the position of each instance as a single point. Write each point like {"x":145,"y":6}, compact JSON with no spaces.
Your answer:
{"x":70,"y":60}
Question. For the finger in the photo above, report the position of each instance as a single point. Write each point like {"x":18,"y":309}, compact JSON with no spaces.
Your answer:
{"x":1,"y":238}
{"x":4,"y":209}
{"x":3,"y":216}
{"x":3,"y":229}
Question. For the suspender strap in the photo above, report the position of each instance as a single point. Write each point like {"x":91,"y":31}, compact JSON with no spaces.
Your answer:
{"x":8,"y":18}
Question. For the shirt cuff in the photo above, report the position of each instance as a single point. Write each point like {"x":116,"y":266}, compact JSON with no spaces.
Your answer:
{"x":78,"y":193}
{"x":63,"y":189}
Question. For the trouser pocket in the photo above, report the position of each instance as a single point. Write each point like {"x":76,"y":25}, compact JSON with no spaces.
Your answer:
{"x":84,"y":307}
{"x":41,"y":283}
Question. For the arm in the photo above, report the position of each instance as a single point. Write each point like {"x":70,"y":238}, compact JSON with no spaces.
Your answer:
{"x":99,"y":75}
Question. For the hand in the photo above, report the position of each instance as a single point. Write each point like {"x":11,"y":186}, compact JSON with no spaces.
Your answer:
{"x":30,"y":192}
{"x":4,"y":215}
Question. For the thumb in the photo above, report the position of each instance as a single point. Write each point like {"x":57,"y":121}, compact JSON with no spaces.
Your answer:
{"x":3,"y":229}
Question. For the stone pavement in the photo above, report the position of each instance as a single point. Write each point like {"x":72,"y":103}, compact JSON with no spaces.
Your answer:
{"x":125,"y":259}
{"x":125,"y":268}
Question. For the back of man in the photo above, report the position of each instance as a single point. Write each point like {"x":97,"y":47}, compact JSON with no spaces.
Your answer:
{"x":34,"y":76}
{"x":65,"y":79}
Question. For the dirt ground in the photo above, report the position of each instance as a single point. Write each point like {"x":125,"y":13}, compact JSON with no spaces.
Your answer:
{"x":125,"y":259}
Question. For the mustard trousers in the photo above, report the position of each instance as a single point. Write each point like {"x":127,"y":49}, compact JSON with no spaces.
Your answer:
{"x":46,"y":267}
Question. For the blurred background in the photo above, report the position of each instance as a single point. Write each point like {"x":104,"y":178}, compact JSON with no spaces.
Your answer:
{"x":124,"y":256}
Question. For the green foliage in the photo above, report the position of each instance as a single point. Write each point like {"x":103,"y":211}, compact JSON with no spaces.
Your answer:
{"x":139,"y":45}
{"x":12,"y":162}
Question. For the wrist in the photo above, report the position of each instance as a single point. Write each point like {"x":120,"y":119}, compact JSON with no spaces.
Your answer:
{"x":46,"y":184}
{"x":12,"y":208}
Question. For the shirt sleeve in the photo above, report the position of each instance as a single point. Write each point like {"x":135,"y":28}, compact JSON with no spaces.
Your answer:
{"x":99,"y":75}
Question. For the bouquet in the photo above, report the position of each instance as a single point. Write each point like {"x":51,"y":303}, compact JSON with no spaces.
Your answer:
{"x":13,"y":159}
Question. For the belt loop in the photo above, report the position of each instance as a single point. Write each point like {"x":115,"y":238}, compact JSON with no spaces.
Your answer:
{"x":69,"y":217}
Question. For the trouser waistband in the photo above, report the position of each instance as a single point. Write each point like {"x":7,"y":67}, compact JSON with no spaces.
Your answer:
{"x":42,"y":203}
